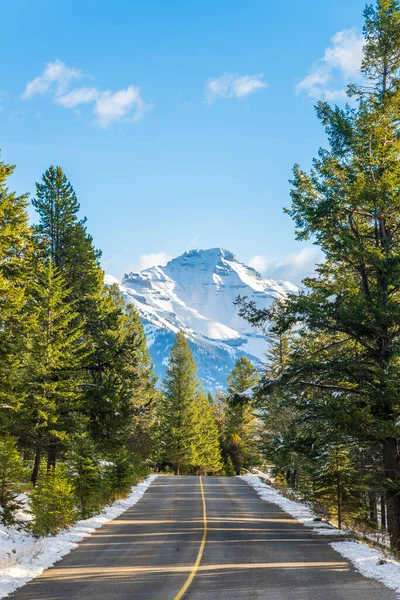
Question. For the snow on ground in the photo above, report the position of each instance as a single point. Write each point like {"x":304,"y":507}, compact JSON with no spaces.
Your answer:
{"x":299,"y":511}
{"x":23,"y":557}
{"x":371,"y":562}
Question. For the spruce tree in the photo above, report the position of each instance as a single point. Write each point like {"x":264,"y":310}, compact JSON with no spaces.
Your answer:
{"x":52,"y":377}
{"x":337,"y":482}
{"x":57,"y":206}
{"x":208,"y":451}
{"x":121,"y":396}
{"x":349,"y":204}
{"x":53,"y":503}
{"x":180,"y":419}
{"x":241,"y":424}
{"x":15,"y":248}
{"x":62,"y":237}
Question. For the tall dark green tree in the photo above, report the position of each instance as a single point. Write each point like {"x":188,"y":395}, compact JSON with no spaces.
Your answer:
{"x":62,"y":236}
{"x":15,"y":248}
{"x":121,"y":396}
{"x":57,"y":206}
{"x":349,"y":203}
{"x":180,"y":418}
{"x":208,"y":448}
{"x":52,"y":368}
{"x":241,"y":424}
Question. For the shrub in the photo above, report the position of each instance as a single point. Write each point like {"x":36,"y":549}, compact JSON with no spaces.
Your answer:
{"x":89,"y":484}
{"x":229,"y":468}
{"x":122,"y":474}
{"x":53,"y":503}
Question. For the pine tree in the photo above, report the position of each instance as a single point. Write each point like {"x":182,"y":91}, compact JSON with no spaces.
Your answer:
{"x":242,"y":377}
{"x":121,"y":396}
{"x":349,"y":204}
{"x":57,"y":206}
{"x":208,"y":451}
{"x":229,"y":468}
{"x":337,"y":482}
{"x":15,"y":248}
{"x":53,"y":502}
{"x":180,"y":420}
{"x":241,"y":425}
{"x":52,"y":367}
{"x":90,"y":490}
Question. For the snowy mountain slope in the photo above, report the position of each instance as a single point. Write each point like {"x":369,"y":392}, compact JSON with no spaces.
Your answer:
{"x":195,"y":292}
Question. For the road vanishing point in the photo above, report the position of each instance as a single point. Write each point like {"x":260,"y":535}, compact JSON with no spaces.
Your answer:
{"x":209,"y":538}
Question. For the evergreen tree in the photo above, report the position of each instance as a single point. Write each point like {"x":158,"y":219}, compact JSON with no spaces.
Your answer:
{"x":242,"y":377}
{"x":12,"y":474}
{"x":337,"y":482}
{"x":349,"y":204}
{"x":51,"y":368}
{"x":14,"y":253}
{"x":180,"y":419}
{"x":229,"y":468}
{"x":89,"y":487}
{"x":241,"y":431}
{"x":121,"y":396}
{"x":63,"y":238}
{"x":53,"y":503}
{"x":57,"y":206}
{"x":208,"y":451}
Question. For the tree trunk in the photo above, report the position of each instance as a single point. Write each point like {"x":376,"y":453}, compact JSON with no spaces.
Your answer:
{"x":51,"y":456}
{"x":292,"y":480}
{"x":339,"y":501}
{"x":373,"y":508}
{"x":383,"y":511}
{"x":36,"y":465}
{"x":392,"y":472}
{"x":176,"y":470}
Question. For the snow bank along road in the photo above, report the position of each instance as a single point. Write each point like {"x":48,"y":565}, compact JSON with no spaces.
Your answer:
{"x":203,"y":539}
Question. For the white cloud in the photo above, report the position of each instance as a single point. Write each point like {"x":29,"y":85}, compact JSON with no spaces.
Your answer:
{"x":232,"y":85}
{"x":56,"y":77}
{"x":151,"y":260}
{"x":124,"y":104}
{"x":259,"y":263}
{"x":107,"y":106}
{"x":341,"y":60}
{"x":292,"y":267}
{"x":78,"y":96}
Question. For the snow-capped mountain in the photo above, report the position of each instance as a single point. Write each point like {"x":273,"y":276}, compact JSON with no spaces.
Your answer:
{"x":196,"y":292}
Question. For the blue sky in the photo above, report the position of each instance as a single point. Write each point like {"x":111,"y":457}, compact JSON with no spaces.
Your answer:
{"x":177,"y":122}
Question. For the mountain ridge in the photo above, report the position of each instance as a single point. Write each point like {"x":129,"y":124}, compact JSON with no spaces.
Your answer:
{"x":195,"y":292}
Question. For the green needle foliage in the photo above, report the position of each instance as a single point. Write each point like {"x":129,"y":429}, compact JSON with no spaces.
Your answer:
{"x":180,"y":411}
{"x":12,"y":475}
{"x":53,"y":503}
{"x":15,"y":247}
{"x":241,"y":425}
{"x":52,"y":367}
{"x":77,"y":387}
{"x":348,"y":317}
{"x":208,"y":447}
{"x":188,"y":431}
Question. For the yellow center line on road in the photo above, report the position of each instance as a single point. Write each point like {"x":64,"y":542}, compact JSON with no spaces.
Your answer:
{"x":196,"y":565}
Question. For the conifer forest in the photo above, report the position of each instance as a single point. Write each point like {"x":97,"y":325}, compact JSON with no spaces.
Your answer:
{"x":83,"y":416}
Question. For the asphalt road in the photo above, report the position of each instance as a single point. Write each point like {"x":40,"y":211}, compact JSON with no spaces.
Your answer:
{"x":251,"y":549}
